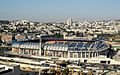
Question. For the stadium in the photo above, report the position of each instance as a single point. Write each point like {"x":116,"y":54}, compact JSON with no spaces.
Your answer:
{"x":62,"y":48}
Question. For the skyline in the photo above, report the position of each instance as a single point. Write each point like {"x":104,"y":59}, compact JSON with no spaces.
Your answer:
{"x":59,"y":10}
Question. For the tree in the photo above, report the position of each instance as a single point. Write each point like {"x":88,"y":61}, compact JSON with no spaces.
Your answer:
{"x":45,"y":71}
{"x":90,"y":72}
{"x":71,"y":71}
{"x":65,"y":71}
{"x":53,"y":71}
{"x":56,"y":72}
{"x":79,"y":72}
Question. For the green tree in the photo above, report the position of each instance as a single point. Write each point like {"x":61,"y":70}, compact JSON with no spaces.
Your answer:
{"x":90,"y":72}
{"x":65,"y":71}
{"x":45,"y":71}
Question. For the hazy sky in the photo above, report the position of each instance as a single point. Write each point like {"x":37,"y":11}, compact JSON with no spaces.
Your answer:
{"x":59,"y":10}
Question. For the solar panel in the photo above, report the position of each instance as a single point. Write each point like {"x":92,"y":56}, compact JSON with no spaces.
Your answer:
{"x":93,"y":44}
{"x":70,"y":48}
{"x":80,"y":45}
{"x":60,"y":42}
{"x":72,"y":45}
{"x":87,"y":45}
{"x":103,"y":46}
{"x":77,"y":49}
{"x":98,"y":45}
{"x":84,"y":49}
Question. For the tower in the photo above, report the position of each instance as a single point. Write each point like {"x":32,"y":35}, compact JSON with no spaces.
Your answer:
{"x":69,"y":21}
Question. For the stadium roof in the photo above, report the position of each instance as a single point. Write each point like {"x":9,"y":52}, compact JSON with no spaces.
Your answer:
{"x":53,"y":39}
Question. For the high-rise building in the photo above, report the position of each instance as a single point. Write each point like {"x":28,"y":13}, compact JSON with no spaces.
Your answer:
{"x":69,"y":21}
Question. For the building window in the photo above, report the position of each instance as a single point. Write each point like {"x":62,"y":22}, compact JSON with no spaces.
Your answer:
{"x":71,"y":54}
{"x":87,"y":54}
{"x":108,"y":62}
{"x":91,"y":54}
{"x":22,"y":51}
{"x":75,"y":55}
{"x":83,"y":54}
{"x":94,"y":54}
{"x":34,"y":52}
{"x":79,"y":55}
{"x":104,"y":62}
{"x":26,"y":51}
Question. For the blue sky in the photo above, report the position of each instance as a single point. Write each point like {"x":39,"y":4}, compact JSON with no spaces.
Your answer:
{"x":59,"y":10}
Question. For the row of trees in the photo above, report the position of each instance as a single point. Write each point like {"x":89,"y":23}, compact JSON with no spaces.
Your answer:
{"x":66,"y":71}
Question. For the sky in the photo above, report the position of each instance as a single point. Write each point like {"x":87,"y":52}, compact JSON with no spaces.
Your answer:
{"x":59,"y":10}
